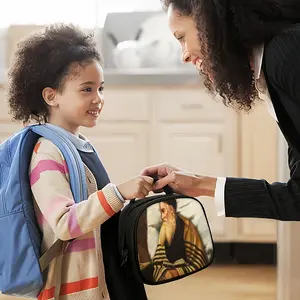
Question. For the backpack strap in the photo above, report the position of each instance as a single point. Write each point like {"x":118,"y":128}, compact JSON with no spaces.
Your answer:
{"x":79,"y":191}
{"x":54,"y":251}
{"x":72,"y":157}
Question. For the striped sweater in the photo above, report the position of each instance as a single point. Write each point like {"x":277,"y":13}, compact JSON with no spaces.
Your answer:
{"x":82,"y":272}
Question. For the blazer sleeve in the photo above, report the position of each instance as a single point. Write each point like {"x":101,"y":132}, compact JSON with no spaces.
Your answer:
{"x":258,"y":198}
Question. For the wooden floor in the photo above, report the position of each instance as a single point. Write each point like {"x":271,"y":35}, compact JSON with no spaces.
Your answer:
{"x":221,"y":283}
{"x":217,"y":283}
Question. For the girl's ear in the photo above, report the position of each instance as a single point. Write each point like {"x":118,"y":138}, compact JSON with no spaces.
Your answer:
{"x":49,"y":95}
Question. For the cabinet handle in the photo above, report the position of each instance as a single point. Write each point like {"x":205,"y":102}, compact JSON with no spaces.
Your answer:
{"x":192,"y":106}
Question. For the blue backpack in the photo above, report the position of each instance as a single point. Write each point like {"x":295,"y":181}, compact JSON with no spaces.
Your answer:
{"x":21,"y":265}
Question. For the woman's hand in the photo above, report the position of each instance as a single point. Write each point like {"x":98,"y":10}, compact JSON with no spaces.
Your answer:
{"x":181,"y":181}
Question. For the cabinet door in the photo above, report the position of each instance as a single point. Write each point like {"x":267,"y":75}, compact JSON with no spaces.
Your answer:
{"x":122,"y":148}
{"x":259,"y":160}
{"x":7,"y":128}
{"x":4,"y":110}
{"x":122,"y":135}
{"x":197,"y":147}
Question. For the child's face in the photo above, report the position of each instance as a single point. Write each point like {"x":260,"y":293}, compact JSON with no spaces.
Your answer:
{"x":81,"y":101}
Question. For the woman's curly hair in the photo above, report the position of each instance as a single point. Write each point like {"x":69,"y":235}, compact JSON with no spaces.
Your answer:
{"x":42,"y":60}
{"x":228,"y":32}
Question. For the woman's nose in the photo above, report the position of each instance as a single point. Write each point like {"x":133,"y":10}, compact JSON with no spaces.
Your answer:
{"x":186,"y":57}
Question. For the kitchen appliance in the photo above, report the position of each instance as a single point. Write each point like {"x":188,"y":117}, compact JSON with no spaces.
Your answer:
{"x":139,"y":40}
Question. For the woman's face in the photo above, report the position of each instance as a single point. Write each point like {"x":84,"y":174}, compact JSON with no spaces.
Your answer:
{"x":185,"y":31}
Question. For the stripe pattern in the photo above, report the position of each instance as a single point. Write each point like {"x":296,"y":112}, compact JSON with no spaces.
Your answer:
{"x":70,"y":288}
{"x":59,"y":216}
{"x":196,"y":261}
{"x":194,"y":258}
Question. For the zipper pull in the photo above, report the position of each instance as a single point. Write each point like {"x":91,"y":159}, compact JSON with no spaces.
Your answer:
{"x":167,"y":189}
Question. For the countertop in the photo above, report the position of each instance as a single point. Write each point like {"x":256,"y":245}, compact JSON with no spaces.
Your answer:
{"x":157,"y":77}
{"x":145,"y":77}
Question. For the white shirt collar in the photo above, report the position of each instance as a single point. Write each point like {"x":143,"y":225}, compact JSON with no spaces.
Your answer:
{"x":80,"y":142}
{"x":260,"y":82}
{"x":258,"y":54}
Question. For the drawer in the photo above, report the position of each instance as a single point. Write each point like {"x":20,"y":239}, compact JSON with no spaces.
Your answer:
{"x":188,"y":105}
{"x":126,"y":105}
{"x":119,"y":106}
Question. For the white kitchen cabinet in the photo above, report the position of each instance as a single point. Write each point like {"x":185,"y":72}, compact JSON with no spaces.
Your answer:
{"x":144,"y":126}
{"x":193,"y":134}
{"x":3,"y":49}
{"x":259,"y":159}
{"x":126,"y":105}
{"x":122,"y":148}
{"x":186,"y":104}
{"x":185,"y":127}
{"x":194,"y":146}
{"x":197,"y":147}
{"x":123,"y":133}
{"x":7,"y":128}
{"x":4,"y":111}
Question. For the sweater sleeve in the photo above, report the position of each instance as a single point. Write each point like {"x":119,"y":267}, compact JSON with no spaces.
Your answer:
{"x":258,"y":198}
{"x":51,"y":190}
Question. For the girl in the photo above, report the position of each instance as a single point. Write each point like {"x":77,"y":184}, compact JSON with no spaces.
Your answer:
{"x":56,"y":77}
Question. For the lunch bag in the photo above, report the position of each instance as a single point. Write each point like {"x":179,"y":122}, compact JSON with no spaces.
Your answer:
{"x":165,"y":237}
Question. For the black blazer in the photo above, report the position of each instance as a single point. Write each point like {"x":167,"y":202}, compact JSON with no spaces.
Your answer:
{"x":258,"y":198}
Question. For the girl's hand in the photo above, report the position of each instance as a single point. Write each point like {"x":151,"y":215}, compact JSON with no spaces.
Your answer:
{"x":137,"y":187}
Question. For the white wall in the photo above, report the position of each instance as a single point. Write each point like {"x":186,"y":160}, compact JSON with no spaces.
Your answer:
{"x":90,"y":13}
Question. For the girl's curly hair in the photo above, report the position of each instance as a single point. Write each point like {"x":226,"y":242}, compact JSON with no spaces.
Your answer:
{"x":228,"y":32}
{"x":42,"y":60}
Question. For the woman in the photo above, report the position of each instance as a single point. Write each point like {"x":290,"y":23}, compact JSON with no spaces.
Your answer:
{"x":243,"y":47}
